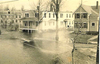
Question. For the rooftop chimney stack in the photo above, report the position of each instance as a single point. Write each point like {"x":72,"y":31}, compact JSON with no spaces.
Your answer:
{"x":97,"y":5}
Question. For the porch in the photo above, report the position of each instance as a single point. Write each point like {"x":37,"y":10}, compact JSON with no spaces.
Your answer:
{"x":28,"y":24}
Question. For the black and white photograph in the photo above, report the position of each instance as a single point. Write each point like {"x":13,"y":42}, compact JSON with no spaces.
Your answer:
{"x":49,"y":31}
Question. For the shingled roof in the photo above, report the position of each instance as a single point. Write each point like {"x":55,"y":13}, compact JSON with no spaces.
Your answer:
{"x":94,"y":8}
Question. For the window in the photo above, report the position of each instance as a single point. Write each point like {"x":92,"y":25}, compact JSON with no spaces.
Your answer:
{"x":36,"y":15}
{"x":76,"y":25}
{"x":25,"y":23}
{"x":69,"y":15}
{"x":61,"y":15}
{"x":77,"y":15}
{"x":16,"y":21}
{"x":85,"y":25}
{"x":16,"y":16}
{"x":93,"y":24}
{"x":8,"y":12}
{"x":19,"y":16}
{"x":30,"y":24}
{"x":44,"y":15}
{"x":53,"y":15}
{"x":26,"y":14}
{"x":66,"y":15}
{"x":49,"y":15}
{"x":5,"y":21}
{"x":84,"y":15}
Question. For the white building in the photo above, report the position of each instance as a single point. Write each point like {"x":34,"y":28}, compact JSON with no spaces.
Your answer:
{"x":65,"y":20}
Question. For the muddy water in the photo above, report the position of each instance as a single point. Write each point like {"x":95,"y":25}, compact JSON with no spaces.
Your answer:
{"x":12,"y":50}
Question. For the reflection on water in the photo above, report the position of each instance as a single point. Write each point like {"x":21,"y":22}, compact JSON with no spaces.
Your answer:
{"x":12,"y":50}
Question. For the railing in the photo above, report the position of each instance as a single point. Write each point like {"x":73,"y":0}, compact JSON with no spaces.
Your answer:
{"x":30,"y":27}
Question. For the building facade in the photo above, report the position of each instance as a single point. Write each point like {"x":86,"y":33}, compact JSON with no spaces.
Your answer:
{"x":28,"y":21}
{"x":10,"y":19}
{"x":86,"y":18}
{"x":65,"y":20}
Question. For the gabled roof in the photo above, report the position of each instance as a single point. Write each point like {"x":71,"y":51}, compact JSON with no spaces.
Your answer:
{"x":95,"y":13}
{"x":86,"y":8}
{"x":94,"y":16}
{"x":94,"y":8}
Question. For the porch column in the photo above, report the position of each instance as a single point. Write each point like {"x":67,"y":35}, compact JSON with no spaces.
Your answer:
{"x":19,"y":25}
{"x":28,"y":27}
{"x":88,"y":29}
{"x":73,"y":24}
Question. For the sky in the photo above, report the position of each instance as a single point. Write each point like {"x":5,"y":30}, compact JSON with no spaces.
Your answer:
{"x":31,"y":4}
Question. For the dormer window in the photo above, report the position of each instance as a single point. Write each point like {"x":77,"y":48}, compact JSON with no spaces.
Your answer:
{"x":26,"y":14}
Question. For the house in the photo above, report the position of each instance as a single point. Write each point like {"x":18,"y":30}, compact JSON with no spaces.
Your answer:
{"x":65,"y":20}
{"x":9,"y":18}
{"x":86,"y":18}
{"x":28,"y":21}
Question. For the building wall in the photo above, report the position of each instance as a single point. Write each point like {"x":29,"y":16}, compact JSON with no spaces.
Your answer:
{"x":10,"y":18}
{"x":95,"y":27}
{"x":49,"y":22}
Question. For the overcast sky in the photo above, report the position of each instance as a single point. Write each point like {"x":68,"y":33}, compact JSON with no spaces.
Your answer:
{"x":31,"y":4}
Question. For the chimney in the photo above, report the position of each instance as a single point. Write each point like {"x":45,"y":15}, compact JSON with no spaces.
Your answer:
{"x":97,"y":5}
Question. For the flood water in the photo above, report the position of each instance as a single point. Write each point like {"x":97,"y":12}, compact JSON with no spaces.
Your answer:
{"x":12,"y":50}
